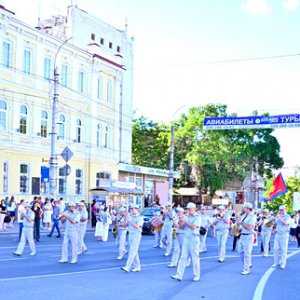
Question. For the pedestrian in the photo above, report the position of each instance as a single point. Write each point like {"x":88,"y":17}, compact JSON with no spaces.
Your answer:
{"x":55,"y":219}
{"x":167,"y":229}
{"x":27,"y":217}
{"x":191,"y":243}
{"x":107,"y":221}
{"x":38,"y":213}
{"x":298,"y":228}
{"x":281,"y":239}
{"x":48,"y":210}
{"x":221,"y":224}
{"x":122,"y":228}
{"x":157,"y":223}
{"x":20,"y":211}
{"x":72,"y":218}
{"x":99,"y":224}
{"x":135,"y":226}
{"x":82,"y":227}
{"x":179,"y":226}
{"x":247,"y":223}
{"x":94,"y":213}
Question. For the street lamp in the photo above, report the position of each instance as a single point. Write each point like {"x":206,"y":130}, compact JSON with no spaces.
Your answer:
{"x":53,"y":155}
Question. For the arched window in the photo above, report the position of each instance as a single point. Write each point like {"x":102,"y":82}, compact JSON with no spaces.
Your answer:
{"x":3,"y":109}
{"x":61,"y":127}
{"x":106,"y":137}
{"x":44,"y":124}
{"x":98,"y":137}
{"x":23,"y":119}
{"x":78,"y":131}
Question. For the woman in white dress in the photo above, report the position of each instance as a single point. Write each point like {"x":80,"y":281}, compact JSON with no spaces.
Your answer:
{"x":107,"y":220}
{"x":48,"y":210}
{"x":99,"y":224}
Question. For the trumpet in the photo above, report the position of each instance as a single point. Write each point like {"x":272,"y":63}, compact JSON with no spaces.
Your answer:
{"x":174,"y":233}
{"x":269,"y":222}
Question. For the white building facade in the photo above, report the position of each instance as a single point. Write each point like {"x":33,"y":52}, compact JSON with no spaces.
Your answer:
{"x":94,"y":108}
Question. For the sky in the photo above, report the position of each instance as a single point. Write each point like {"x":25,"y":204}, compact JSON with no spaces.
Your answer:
{"x":180,"y":47}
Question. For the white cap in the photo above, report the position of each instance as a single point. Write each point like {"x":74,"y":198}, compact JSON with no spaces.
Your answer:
{"x":135,"y":206}
{"x":248,"y":205}
{"x":168,"y":204}
{"x":71,"y":203}
{"x":191,"y":205}
{"x":80,"y":203}
{"x":221,"y":207}
{"x":281,"y":207}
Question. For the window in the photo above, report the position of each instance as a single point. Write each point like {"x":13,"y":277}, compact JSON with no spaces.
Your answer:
{"x":44,"y":124}
{"x":109,"y":90}
{"x":78,"y":131}
{"x":5,"y":177}
{"x":110,"y":45}
{"x":23,"y":120}
{"x":100,"y":88}
{"x":78,"y":182}
{"x":102,"y":41}
{"x":47,"y":68}
{"x":27,"y":61}
{"x":102,"y":177}
{"x":118,"y":49}
{"x":61,"y":127}
{"x":106,"y":137}
{"x":24,"y":178}
{"x":98,"y":137}
{"x":61,"y":181}
{"x":93,"y":36}
{"x":81,"y":82}
{"x":64,"y":75}
{"x":7,"y":55}
{"x":3,"y":109}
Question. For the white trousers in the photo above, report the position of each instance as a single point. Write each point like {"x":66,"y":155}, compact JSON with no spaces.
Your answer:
{"x":122,"y":234}
{"x":177,"y":246}
{"x":167,"y":237}
{"x":190,"y":248}
{"x":81,"y":235}
{"x":70,"y":237}
{"x":281,"y":242}
{"x":27,"y":235}
{"x":133,"y":260}
{"x":203,"y":247}
{"x":266,"y":237}
{"x":246,"y":246}
{"x":2,"y":224}
{"x":222,"y":237}
{"x":105,"y":232}
{"x":156,"y":238}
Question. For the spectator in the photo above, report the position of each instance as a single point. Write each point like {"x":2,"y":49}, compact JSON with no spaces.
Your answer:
{"x":11,"y":209}
{"x":38,"y":213}
{"x":55,"y":219}
{"x":94,"y":213}
{"x":48,"y":210}
{"x":2,"y":215}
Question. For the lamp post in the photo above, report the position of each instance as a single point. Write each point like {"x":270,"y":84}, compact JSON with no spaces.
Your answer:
{"x":53,"y":133}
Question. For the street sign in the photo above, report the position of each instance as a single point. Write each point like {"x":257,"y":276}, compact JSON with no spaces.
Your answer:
{"x":251,"y":122}
{"x":65,"y":170}
{"x":67,"y":154}
{"x":44,"y":174}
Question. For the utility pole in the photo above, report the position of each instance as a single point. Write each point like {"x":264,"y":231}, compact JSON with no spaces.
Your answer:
{"x":53,"y":155}
{"x":171,"y":165}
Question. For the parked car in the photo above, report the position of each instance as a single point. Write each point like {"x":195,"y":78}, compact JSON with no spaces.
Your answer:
{"x":148,"y":213}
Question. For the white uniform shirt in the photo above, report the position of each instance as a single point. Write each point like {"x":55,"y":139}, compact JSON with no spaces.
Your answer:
{"x":83,"y":215}
{"x":205,"y":220}
{"x":135,"y":219}
{"x":75,"y":216}
{"x":249,"y":220}
{"x":21,"y":210}
{"x":222,"y":223}
{"x":29,"y":214}
{"x":282,"y":228}
{"x":195,"y":220}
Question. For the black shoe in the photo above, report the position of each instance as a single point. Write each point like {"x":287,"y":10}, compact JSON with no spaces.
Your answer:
{"x":58,"y":236}
{"x":49,"y":235}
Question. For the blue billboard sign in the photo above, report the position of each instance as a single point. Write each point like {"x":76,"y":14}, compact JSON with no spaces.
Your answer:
{"x":252,"y":122}
{"x":44,"y":174}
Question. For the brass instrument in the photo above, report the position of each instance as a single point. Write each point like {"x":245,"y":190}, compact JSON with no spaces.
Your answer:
{"x":115,"y":231}
{"x":270,"y":222}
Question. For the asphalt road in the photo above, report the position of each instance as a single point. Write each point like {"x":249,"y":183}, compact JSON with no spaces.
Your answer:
{"x":98,"y":275}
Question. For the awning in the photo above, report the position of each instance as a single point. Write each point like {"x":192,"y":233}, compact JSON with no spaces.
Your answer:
{"x":119,"y":190}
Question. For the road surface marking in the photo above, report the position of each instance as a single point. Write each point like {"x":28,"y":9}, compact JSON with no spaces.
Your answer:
{"x":259,"y":291}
